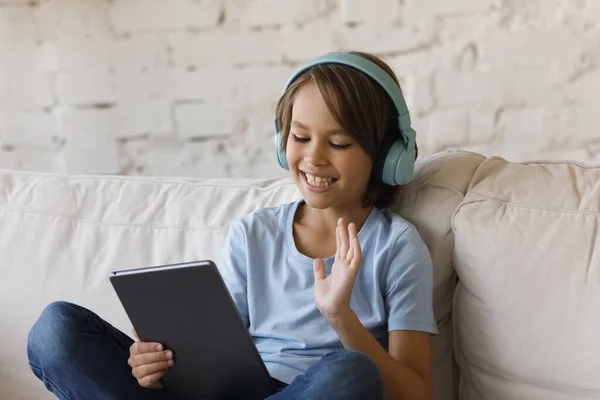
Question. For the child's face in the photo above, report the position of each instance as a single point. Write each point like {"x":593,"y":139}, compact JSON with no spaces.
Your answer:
{"x":329,"y":166}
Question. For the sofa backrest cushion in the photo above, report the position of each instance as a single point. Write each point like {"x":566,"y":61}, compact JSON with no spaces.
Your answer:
{"x":527,"y":308}
{"x":62,"y":236}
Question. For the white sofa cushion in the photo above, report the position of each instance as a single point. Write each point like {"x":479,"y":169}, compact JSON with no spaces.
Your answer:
{"x":61,"y":236}
{"x":527,"y":308}
{"x":429,"y":202}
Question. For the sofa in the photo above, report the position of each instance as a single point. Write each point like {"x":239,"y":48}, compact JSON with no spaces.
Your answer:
{"x":515,"y":246}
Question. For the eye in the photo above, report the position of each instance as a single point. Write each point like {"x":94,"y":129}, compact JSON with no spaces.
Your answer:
{"x":299,"y":139}
{"x":340,"y":146}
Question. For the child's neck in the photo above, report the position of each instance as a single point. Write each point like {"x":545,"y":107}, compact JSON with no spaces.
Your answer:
{"x":314,"y":229}
{"x":325,"y":220}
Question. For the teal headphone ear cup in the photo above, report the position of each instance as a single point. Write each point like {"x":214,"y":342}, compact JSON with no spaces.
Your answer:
{"x":399,"y":161}
{"x":279,"y":151}
{"x":398,"y":167}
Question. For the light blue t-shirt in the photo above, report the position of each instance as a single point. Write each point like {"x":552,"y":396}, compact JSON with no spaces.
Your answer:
{"x":272,"y":285}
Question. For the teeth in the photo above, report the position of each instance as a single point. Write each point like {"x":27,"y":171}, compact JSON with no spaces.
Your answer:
{"x":318,"y":181}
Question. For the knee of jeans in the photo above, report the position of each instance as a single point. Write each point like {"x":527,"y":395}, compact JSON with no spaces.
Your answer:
{"x":360,"y":362}
{"x":348,"y":364}
{"x":51,"y":334}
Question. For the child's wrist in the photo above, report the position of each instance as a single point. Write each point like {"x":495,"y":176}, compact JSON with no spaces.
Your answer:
{"x":341,"y":319}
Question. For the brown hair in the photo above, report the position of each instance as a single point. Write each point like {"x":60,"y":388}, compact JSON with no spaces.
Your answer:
{"x":359,"y":105}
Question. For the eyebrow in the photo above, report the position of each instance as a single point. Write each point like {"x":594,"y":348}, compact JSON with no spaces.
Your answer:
{"x":330,"y":131}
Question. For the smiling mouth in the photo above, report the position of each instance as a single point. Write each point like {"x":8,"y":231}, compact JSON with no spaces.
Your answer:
{"x":318,"y":181}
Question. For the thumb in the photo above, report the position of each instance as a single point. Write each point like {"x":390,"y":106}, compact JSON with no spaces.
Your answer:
{"x":319,"y":269}
{"x":135,"y":333}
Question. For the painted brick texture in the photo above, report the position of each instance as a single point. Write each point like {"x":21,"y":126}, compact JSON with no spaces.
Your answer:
{"x":188,"y":87}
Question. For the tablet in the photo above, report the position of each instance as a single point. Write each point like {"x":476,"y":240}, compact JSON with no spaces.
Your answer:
{"x":188,"y":309}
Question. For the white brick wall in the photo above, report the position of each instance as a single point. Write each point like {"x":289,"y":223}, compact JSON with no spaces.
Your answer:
{"x":139,"y":16}
{"x":188,"y":87}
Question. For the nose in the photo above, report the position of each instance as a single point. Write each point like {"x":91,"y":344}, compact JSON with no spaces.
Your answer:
{"x":316,"y":153}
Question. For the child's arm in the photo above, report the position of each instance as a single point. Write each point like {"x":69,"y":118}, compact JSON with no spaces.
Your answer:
{"x":407,"y":368}
{"x":233,"y":268}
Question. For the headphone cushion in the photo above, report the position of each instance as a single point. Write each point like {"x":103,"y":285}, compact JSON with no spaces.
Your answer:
{"x":398,"y":167}
{"x":281,"y":159}
{"x":380,"y":157}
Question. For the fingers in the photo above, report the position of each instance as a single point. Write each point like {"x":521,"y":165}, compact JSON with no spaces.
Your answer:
{"x":148,"y":362}
{"x":145,"y":347}
{"x":356,"y":254}
{"x":145,"y":370}
{"x":337,"y":241}
{"x":135,"y":333}
{"x":347,"y":243}
{"x":135,"y":360}
{"x":352,"y":238}
{"x":149,"y":368}
{"x":319,"y":269}
{"x":152,"y":381}
{"x":142,"y":353}
{"x":343,"y":238}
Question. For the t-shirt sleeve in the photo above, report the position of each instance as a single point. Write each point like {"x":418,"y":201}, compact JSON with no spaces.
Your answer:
{"x":233,"y":268}
{"x":409,"y":285}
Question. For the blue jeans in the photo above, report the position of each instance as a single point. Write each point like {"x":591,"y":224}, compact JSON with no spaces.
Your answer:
{"x":78,"y":355}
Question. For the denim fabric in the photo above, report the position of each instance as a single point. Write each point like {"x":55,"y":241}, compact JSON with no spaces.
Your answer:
{"x":78,"y":355}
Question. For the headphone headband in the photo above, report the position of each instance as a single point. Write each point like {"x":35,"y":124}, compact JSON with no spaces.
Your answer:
{"x":375,"y":72}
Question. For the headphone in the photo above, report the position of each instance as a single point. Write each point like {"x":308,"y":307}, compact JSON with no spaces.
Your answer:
{"x":394,"y":164}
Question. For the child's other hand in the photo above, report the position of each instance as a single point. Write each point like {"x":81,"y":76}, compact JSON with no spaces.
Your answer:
{"x":333,"y":292}
{"x":149,"y":362}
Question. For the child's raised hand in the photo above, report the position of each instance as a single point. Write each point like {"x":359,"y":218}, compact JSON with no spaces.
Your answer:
{"x":333,"y":292}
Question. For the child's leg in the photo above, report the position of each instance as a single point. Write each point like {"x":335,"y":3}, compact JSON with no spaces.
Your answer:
{"x":78,"y":355}
{"x":344,"y":375}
